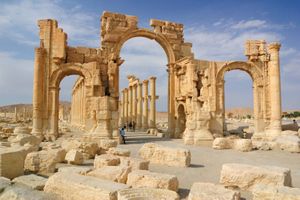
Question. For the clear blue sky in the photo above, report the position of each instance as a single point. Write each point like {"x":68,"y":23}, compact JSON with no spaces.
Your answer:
{"x":216,"y":28}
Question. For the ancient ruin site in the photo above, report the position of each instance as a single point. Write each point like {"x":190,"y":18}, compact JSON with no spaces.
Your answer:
{"x":126,"y":102}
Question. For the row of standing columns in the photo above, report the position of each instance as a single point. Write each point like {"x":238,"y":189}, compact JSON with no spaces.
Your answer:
{"x":135,"y":102}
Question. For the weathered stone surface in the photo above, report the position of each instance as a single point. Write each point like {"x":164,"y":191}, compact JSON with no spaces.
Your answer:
{"x":78,"y":187}
{"x":83,"y":170}
{"x":26,"y":193}
{"x":118,"y":152}
{"x":21,"y":130}
{"x":106,"y":160}
{"x":89,"y":148}
{"x":263,"y":145}
{"x":117,"y":174}
{"x":289,"y":143}
{"x":4,"y":183}
{"x":134,"y":163}
{"x":246,"y":176}
{"x":147,"y":193}
{"x":43,"y":162}
{"x":22,"y":139}
{"x":107,"y":144}
{"x":289,"y":132}
{"x":265,"y":192}
{"x":165,"y":155}
{"x":144,"y":178}
{"x":12,"y":161}
{"x":74,"y":157}
{"x":222,"y":143}
{"x":33,"y":181}
{"x":230,"y":143}
{"x":210,"y":191}
{"x":7,"y":130}
{"x":242,"y":145}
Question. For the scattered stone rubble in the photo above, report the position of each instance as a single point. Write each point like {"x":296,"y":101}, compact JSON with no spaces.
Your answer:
{"x":165,"y":155}
{"x":245,"y":176}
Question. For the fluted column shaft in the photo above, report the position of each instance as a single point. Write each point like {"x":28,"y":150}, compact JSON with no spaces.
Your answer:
{"x":134,"y":102}
{"x":139,"y":106}
{"x":130,"y":104}
{"x":126,"y":106}
{"x":145,"y":105}
{"x":275,"y":89}
{"x":38,"y":91}
{"x":152,"y":116}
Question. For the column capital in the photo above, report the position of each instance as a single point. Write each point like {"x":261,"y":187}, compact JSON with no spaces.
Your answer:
{"x":275,"y":46}
{"x":152,"y":78}
{"x":145,"y":81}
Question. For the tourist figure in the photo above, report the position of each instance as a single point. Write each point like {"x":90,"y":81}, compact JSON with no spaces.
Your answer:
{"x":122,"y":133}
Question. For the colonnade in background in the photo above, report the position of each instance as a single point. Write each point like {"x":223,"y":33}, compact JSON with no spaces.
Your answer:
{"x":78,"y":103}
{"x":134,"y":104}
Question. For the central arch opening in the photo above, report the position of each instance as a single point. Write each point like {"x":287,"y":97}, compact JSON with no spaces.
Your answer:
{"x":238,"y":92}
{"x":145,"y":58}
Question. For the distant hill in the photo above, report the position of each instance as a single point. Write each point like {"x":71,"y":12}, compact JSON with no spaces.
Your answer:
{"x":239,"y":111}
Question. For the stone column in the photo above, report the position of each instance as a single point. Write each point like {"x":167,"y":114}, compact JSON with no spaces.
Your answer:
{"x":152,"y":116}
{"x":54,"y":99}
{"x":171,"y":100}
{"x":145,"y":105}
{"x":123,"y":104}
{"x":38,"y":92}
{"x":275,"y":90}
{"x":130,"y":104}
{"x":134,"y":102}
{"x":139,"y":106}
{"x":126,"y":106}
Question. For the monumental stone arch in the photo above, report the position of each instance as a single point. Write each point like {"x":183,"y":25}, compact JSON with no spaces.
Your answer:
{"x":195,"y":87}
{"x":256,"y":75}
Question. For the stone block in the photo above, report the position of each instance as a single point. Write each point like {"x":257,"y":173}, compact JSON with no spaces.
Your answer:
{"x":114,"y":173}
{"x":169,"y":156}
{"x":33,"y":181}
{"x":265,"y":192}
{"x":12,"y":161}
{"x":263,"y":145}
{"x":210,"y":191}
{"x":134,"y":163}
{"x":74,"y":157}
{"x":21,"y":130}
{"x":43,"y":162}
{"x":88,"y":148}
{"x":4,"y":183}
{"x":290,"y":143}
{"x":118,"y":152}
{"x":247,"y":176}
{"x":222,"y":143}
{"x":106,"y":160}
{"x":107,"y":144}
{"x":144,"y":178}
{"x":83,"y":170}
{"x":25,"y":193}
{"x":243,"y":145}
{"x":22,"y":139}
{"x":78,"y":187}
{"x":147,"y":193}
